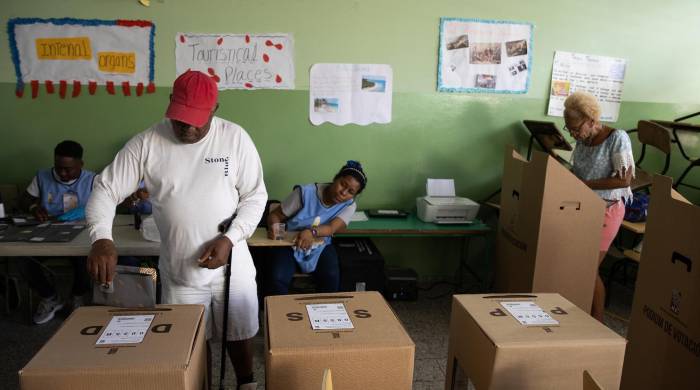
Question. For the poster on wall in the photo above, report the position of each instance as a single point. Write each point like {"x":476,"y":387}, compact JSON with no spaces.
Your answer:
{"x":238,"y":61}
{"x":75,"y":52}
{"x":600,"y":76}
{"x":350,"y":93}
{"x":492,"y":56}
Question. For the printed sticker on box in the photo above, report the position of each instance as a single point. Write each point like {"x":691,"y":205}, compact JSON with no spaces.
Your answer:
{"x":329,"y":316}
{"x":529,"y":314}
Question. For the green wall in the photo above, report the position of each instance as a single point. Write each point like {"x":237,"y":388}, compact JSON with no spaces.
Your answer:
{"x":431,"y":135}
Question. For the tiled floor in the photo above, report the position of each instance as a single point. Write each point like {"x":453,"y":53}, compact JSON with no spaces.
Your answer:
{"x":426,"y":320}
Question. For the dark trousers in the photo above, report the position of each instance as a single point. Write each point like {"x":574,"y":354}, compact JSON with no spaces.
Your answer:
{"x":281,"y":265}
{"x":35,"y":275}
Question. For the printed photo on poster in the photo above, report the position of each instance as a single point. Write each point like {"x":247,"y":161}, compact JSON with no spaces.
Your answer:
{"x":326,"y":105}
{"x":485,"y":81}
{"x":460,"y":42}
{"x":485,"y":53}
{"x":373,"y":83}
{"x":516,"y":48}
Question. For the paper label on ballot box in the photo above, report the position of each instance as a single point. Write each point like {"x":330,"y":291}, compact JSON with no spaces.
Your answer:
{"x":126,"y":329}
{"x":529,"y":313}
{"x":329,"y":316}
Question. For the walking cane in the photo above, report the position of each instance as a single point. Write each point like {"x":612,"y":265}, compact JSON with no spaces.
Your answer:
{"x":227,"y":284}
{"x":223,"y":228}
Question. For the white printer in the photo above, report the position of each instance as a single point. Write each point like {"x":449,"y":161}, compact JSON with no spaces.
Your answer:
{"x":441,"y":206}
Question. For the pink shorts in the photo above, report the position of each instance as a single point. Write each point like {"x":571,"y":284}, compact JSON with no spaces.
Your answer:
{"x":613,"y":220}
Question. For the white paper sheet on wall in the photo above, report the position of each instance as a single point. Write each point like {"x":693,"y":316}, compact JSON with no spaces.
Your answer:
{"x":238,"y":61}
{"x":350,"y":93}
{"x":600,"y":76}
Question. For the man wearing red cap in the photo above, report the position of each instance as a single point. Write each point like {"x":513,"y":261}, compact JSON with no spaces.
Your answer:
{"x":199,"y":170}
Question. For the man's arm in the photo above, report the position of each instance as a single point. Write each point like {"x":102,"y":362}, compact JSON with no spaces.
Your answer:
{"x":116,"y":182}
{"x":30,"y":202}
{"x":251,"y":190}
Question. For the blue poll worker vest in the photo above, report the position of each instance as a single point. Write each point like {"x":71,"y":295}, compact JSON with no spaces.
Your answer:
{"x":312,"y":207}
{"x":51,"y":190}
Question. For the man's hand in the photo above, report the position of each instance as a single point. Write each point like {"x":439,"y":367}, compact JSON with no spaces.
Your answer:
{"x":102,"y":260}
{"x":216,"y":253}
{"x":41,"y":214}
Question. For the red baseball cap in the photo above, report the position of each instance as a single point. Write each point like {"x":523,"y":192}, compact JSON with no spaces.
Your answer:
{"x":194,"y":96}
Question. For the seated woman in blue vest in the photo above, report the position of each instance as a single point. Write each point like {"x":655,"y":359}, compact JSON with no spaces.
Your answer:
{"x":316,"y":211}
{"x":60,"y":192}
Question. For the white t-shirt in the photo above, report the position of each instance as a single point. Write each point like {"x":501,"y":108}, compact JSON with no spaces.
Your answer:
{"x":192,"y":187}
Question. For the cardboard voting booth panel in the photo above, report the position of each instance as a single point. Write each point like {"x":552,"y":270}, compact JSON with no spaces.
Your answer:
{"x":664,"y":330}
{"x":549,"y":230}
{"x":362,"y":342}
{"x":589,"y":383}
{"x":101,"y":347}
{"x":494,"y":350}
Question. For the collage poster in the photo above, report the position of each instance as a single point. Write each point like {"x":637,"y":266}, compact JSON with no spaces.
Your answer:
{"x":484,"y":56}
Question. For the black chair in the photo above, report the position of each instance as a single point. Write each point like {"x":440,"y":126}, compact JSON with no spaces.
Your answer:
{"x":654,"y":135}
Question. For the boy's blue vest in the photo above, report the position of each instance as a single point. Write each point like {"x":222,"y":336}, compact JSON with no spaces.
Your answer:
{"x":51,"y":190}
{"x":312,"y":207}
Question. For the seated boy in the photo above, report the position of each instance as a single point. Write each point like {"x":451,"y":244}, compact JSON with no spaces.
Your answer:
{"x":55,"y":192}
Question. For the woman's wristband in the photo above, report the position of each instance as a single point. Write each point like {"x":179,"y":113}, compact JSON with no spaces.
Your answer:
{"x":314,"y":232}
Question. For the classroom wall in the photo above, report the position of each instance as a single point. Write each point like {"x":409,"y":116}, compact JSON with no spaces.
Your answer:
{"x":431,"y":135}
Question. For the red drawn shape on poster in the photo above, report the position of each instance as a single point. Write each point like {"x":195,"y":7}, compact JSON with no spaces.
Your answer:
{"x":279,"y":46}
{"x":151,"y":87}
{"x":220,"y":41}
{"x":248,"y":85}
{"x":62,"y":87}
{"x":278,"y":79}
{"x":247,"y":38}
{"x":211,"y":71}
{"x":182,"y":38}
{"x":49,"y":86}
{"x":268,"y":43}
{"x":126,"y":88}
{"x":77,"y":87}
{"x":139,"y":89}
{"x":110,"y":87}
{"x":92,"y":87}
{"x":35,"y":88}
{"x":266,"y":58}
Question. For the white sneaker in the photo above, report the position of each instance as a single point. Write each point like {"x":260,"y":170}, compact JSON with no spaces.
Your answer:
{"x":47,"y":309}
{"x":248,"y":386}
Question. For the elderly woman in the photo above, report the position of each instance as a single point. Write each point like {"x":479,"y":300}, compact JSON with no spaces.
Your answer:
{"x":603,"y":160}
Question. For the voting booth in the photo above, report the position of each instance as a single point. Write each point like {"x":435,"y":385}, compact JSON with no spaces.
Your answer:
{"x":103,"y":347}
{"x":664,"y":330}
{"x":528,"y":341}
{"x":356,"y":335}
{"x":549,"y":230}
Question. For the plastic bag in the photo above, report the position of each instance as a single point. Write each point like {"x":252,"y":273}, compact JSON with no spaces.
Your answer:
{"x":636,"y":209}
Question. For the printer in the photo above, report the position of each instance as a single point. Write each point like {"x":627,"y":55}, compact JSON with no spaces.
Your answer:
{"x":441,"y":206}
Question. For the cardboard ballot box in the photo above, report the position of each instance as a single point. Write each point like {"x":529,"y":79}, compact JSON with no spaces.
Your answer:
{"x":496,"y":351}
{"x":664,"y":330}
{"x":376,"y":353}
{"x":549,"y":230}
{"x":98,"y":347}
